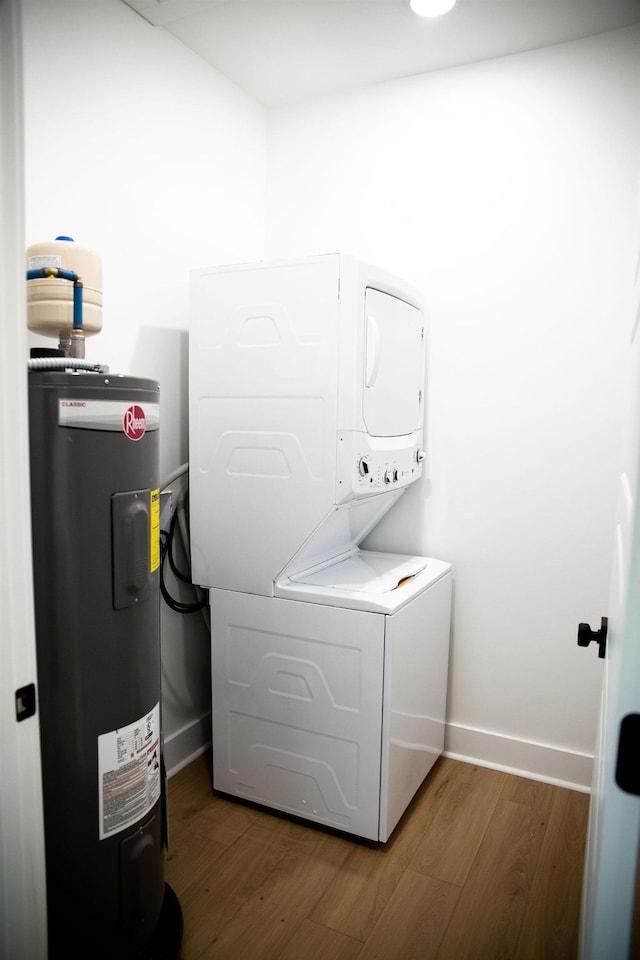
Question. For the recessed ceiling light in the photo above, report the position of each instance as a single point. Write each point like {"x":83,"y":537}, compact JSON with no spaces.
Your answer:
{"x":431,"y":8}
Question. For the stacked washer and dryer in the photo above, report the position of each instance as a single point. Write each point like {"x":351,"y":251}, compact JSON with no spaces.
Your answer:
{"x":329,"y":662}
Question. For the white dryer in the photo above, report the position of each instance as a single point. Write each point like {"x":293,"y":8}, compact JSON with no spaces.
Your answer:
{"x":329,"y":663}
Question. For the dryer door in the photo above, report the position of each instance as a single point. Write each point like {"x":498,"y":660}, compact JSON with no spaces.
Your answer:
{"x":393,"y":400}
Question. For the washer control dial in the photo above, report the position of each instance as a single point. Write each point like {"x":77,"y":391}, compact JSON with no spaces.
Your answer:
{"x":364,"y":466}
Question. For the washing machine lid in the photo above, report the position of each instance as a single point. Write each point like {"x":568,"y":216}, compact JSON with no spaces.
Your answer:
{"x":340,"y":532}
{"x":366,"y":571}
{"x":365,"y":580}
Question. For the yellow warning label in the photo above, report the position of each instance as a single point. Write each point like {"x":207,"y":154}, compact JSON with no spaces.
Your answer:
{"x":154,"y":513}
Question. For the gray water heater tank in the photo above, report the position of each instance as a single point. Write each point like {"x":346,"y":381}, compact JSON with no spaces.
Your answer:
{"x":96,"y":556}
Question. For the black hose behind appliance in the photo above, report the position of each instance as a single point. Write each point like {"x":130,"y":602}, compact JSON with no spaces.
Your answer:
{"x":96,"y":549}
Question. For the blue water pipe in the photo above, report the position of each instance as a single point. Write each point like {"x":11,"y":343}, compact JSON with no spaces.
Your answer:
{"x":57,"y":273}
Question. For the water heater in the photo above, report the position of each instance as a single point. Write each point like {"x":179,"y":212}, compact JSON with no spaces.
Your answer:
{"x":95,"y":516}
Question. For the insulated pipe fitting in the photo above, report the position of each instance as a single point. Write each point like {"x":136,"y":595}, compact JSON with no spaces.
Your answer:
{"x":74,"y":345}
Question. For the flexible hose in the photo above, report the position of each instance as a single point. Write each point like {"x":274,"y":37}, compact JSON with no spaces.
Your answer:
{"x":180,"y":520}
{"x":175,"y":475}
{"x":66,"y":363}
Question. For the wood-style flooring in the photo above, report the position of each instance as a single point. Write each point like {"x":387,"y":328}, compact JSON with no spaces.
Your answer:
{"x":483,"y":865}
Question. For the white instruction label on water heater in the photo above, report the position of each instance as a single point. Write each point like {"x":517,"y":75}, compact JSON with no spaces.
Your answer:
{"x":129,"y":779}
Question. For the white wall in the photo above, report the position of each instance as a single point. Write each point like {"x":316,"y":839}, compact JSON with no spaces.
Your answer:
{"x":505,"y":191}
{"x":140,"y":151}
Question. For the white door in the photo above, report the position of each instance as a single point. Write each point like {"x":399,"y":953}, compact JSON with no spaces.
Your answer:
{"x":22,"y":879}
{"x":394,"y":366}
{"x":614,"y":828}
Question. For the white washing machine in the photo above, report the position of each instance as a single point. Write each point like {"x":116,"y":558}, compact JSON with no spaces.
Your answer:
{"x":329,"y":662}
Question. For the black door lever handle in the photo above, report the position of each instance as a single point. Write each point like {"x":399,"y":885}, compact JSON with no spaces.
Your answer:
{"x":586,"y":635}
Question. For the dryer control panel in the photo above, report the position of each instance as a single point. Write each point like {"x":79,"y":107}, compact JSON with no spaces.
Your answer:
{"x":364,"y":468}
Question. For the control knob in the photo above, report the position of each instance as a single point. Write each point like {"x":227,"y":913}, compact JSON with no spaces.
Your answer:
{"x":363,"y":466}
{"x":420,"y":455}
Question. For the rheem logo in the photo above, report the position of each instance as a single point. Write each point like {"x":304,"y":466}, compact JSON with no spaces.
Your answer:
{"x":134,"y":422}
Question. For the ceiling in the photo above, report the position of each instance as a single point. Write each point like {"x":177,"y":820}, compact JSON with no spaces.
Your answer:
{"x":282,"y":51}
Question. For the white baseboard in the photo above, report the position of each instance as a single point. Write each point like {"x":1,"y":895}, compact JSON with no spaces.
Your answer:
{"x":183,"y":746}
{"x":537,"y":761}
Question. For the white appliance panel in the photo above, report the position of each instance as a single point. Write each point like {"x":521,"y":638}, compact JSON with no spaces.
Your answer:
{"x":416,"y":671}
{"x":329,"y":713}
{"x":297,"y":708}
{"x":392,"y":400}
{"x":277,"y":432}
{"x":263,"y":383}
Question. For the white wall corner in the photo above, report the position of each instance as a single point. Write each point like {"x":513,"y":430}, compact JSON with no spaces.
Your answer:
{"x":184,"y":745}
